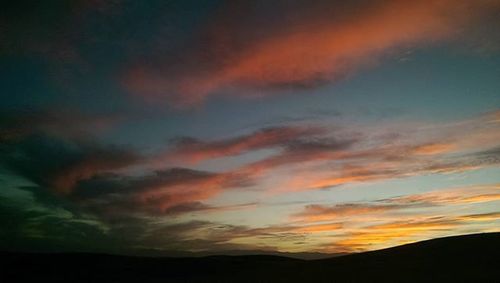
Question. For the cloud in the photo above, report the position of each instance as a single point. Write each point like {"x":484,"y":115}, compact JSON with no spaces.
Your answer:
{"x":20,"y":123}
{"x":386,"y":208}
{"x":433,"y":148}
{"x":205,"y":236}
{"x":356,"y":162}
{"x":114,"y":185}
{"x":492,"y":216}
{"x":301,"y":151}
{"x":319,"y":228}
{"x":194,"y":150}
{"x":172,"y":191}
{"x":317,"y":157}
{"x":190,"y":207}
{"x":468,"y":195}
{"x":401,"y":232}
{"x":43,"y":149}
{"x":400,"y":220}
{"x":346,"y":237}
{"x":347,"y":167}
{"x":494,"y":117}
{"x":32,"y":223}
{"x":59,"y":164}
{"x":57,"y":147}
{"x":290,"y":230}
{"x":245,"y":46}
{"x":315,"y":212}
{"x":210,"y":236}
{"x":392,"y":233}
{"x":191,"y":50}
{"x":84,"y":170}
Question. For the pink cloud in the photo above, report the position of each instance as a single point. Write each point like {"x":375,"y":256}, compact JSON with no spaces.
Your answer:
{"x":325,"y":41}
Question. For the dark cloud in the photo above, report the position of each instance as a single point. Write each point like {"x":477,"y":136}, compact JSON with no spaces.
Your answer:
{"x":173,"y":191}
{"x":48,"y":223}
{"x":197,"y":206}
{"x":76,"y":168}
{"x":45,"y":224}
{"x":19,"y":123}
{"x":59,"y":164}
{"x":467,"y":195}
{"x":220,"y":237}
{"x":302,"y":150}
{"x":485,"y":157}
{"x":191,"y":149}
{"x":189,"y":207}
{"x":35,"y":27}
{"x":57,"y":149}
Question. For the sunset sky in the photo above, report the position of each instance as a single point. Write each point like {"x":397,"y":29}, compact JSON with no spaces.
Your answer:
{"x":213,"y":126}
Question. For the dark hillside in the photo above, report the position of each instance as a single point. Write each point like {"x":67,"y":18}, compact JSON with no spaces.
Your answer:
{"x":470,"y":258}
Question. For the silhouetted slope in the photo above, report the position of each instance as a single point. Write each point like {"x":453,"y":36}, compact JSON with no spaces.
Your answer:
{"x":471,"y":258}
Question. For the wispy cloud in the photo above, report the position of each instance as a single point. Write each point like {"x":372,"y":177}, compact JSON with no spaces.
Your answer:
{"x":384,"y":207}
{"x":113,"y":183}
{"x":316,"y":157}
{"x":59,"y":164}
{"x":399,"y":220}
{"x":392,"y":233}
{"x":246,"y":47}
{"x":399,"y":232}
{"x":173,"y":191}
{"x":314,"y":212}
{"x":193,"y":150}
{"x":196,"y":206}
{"x":481,"y":217}
{"x":469,"y":195}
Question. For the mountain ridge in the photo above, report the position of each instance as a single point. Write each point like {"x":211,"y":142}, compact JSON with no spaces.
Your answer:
{"x":464,"y":258}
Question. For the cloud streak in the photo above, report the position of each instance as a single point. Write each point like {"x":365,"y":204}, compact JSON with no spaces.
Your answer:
{"x":400,"y":220}
{"x":172,"y":191}
{"x":59,"y":164}
{"x":314,"y":212}
{"x":326,"y":41}
{"x":194,"y":150}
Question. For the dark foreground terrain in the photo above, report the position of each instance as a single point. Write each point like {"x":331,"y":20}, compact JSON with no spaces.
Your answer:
{"x":471,"y":258}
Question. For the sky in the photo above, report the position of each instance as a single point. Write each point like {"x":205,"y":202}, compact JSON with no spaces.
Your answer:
{"x":160,"y":127}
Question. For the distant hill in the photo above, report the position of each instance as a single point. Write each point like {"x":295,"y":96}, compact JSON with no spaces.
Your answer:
{"x":470,"y":258}
{"x":177,"y":254}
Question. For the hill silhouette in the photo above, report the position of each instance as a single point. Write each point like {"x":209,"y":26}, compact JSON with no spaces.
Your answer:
{"x":469,"y":258}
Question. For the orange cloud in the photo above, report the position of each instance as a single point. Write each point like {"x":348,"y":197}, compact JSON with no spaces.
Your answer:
{"x":165,"y":196}
{"x":350,"y":174}
{"x":468,"y":195}
{"x":374,"y":168}
{"x":314,"y":213}
{"x":369,"y":166}
{"x":481,"y":217}
{"x":319,"y":228}
{"x":356,"y":212}
{"x":314,"y":42}
{"x":327,"y":161}
{"x":396,"y":233}
{"x":494,"y":117}
{"x":433,"y":148}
